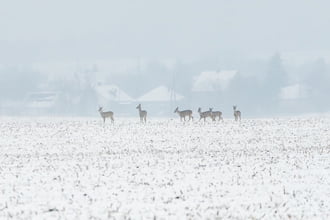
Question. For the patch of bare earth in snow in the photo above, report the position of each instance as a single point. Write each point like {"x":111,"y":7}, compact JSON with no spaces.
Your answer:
{"x":60,"y":168}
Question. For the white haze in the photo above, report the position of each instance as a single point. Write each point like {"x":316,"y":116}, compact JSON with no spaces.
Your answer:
{"x":139,"y":45}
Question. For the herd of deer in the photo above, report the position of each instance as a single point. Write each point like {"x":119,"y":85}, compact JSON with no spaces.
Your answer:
{"x":207,"y":114}
{"x":183,"y":114}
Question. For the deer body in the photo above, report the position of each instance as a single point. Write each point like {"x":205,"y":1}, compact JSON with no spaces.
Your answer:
{"x":216,"y":114}
{"x":204,"y":115}
{"x":142,"y":114}
{"x":183,"y":114}
{"x":237,"y":113}
{"x":105,"y":115}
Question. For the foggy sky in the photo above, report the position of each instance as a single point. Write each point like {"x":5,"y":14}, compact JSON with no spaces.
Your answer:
{"x":70,"y":46}
{"x":81,"y":30}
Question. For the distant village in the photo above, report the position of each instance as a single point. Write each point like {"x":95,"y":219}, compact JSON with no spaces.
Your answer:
{"x":161,"y":89}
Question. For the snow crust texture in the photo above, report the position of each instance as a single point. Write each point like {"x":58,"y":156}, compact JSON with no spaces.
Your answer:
{"x":62,"y":168}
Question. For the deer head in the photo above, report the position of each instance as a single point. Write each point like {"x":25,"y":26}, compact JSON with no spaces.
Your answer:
{"x":176,"y":110}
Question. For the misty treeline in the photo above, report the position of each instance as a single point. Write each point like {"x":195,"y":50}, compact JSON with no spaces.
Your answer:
{"x":256,"y":88}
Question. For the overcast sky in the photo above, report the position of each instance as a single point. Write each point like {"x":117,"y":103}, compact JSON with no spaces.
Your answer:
{"x":37,"y":31}
{"x":59,"y":38}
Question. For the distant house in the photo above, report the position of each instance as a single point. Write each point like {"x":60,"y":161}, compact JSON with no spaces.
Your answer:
{"x":160,"y":94}
{"x":209,"y":87}
{"x":41,"y":102}
{"x":161,"y":100}
{"x":294,"y":92}
{"x":209,"y":81}
{"x":110,"y":96}
{"x":295,"y":98}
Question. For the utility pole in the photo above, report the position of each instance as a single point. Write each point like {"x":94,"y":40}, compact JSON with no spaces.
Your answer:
{"x":173,"y":94}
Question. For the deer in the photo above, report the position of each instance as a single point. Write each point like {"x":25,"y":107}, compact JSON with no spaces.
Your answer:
{"x":237,"y":113}
{"x":105,"y":115}
{"x":142,"y":114}
{"x":184,"y":113}
{"x":204,"y":115}
{"x":216,"y":114}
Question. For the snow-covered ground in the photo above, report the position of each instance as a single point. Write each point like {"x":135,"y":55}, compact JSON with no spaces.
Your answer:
{"x":63,"y":168}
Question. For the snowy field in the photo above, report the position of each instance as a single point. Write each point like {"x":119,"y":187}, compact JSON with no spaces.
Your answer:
{"x":76,"y":168}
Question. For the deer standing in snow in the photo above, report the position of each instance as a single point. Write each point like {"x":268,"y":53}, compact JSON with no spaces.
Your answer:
{"x":237,"y":113}
{"x":142,"y":114}
{"x":204,"y":115}
{"x":183,"y":114}
{"x":216,"y":114}
{"x":105,"y":115}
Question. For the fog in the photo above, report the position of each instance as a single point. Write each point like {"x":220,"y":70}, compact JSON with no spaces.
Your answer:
{"x":269,"y":58}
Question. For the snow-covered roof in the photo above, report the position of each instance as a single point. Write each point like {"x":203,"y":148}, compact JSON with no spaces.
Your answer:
{"x":112,"y":92}
{"x":160,"y":94}
{"x":208,"y":81}
{"x":41,"y":99}
{"x":293,"y":92}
